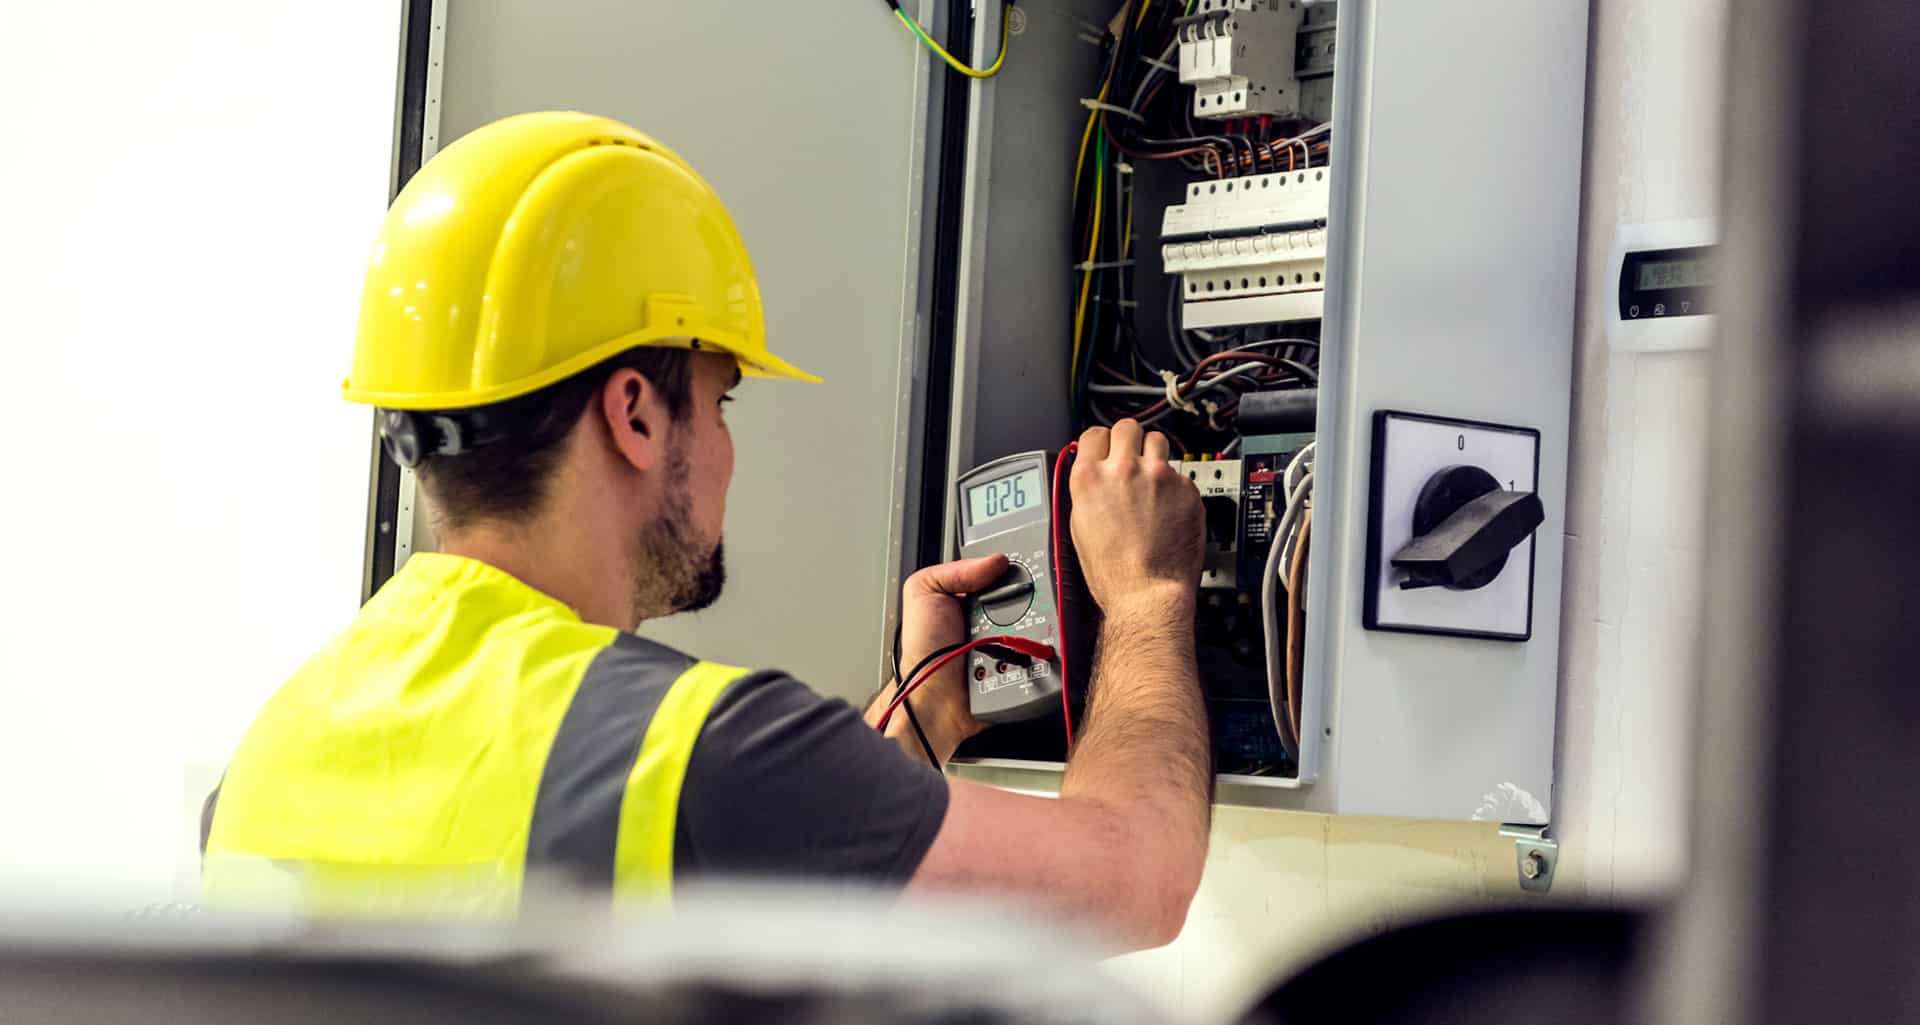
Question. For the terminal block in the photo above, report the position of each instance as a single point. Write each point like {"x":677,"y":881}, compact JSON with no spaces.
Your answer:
{"x":1218,"y":481}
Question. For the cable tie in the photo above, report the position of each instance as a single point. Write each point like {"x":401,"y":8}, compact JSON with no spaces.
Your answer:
{"x":1109,"y":265}
{"x":1173,"y":393}
{"x":1158,"y":63}
{"x":1093,"y":104}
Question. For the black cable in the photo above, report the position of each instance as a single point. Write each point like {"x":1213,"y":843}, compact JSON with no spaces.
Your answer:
{"x":901,"y":681}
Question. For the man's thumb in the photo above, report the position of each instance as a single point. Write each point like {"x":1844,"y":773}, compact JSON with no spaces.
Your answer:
{"x":963,"y":577}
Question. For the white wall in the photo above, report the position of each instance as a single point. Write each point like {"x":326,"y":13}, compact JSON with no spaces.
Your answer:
{"x":188,"y":194}
{"x":1281,"y":887}
{"x":1636,"y":522}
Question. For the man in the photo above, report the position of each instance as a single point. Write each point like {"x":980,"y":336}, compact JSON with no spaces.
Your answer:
{"x":555,"y":314}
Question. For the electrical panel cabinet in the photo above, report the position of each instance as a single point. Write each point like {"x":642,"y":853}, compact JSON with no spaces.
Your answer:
{"x":1330,"y":247}
{"x":1376,"y":213}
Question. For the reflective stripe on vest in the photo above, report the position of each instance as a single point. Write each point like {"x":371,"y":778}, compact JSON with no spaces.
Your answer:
{"x":465,"y":735}
{"x":609,"y":798}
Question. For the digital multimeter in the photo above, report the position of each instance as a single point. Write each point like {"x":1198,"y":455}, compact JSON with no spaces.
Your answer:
{"x":1006,"y":507}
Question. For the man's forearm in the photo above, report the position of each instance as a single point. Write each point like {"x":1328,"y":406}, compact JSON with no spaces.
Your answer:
{"x":1145,"y":723}
{"x":1145,"y":736}
{"x":1123,"y":848}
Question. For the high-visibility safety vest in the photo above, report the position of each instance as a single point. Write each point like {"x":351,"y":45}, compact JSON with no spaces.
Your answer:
{"x":467,"y":732}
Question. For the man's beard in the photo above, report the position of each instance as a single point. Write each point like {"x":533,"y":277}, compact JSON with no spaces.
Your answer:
{"x":671,"y":572}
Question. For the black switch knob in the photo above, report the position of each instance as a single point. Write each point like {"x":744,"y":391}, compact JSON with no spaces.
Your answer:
{"x":1464,"y":525}
{"x":1007,"y":601}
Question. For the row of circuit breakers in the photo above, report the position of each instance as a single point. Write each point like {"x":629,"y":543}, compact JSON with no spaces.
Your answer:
{"x":1253,"y":249}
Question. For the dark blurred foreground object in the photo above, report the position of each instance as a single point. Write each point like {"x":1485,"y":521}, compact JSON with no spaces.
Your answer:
{"x":763,"y":956}
{"x":1804,"y":901}
{"x":1564,"y":966}
{"x":739,"y":957}
{"x":758,"y":956}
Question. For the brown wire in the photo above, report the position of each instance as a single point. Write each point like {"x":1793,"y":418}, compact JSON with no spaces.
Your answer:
{"x":1193,"y":376}
{"x":1212,"y":153}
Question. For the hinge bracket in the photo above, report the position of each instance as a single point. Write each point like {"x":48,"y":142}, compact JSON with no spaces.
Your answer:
{"x":1535,"y":855}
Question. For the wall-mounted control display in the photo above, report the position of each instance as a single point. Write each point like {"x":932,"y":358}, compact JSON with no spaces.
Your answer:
{"x":1667,"y":283}
{"x":1664,"y":280}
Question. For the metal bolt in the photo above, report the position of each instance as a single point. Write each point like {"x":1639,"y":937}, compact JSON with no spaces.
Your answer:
{"x":1534,"y":865}
{"x":1016,"y":21}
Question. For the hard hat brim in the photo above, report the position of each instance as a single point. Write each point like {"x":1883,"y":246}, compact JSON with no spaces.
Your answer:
{"x":761,"y":364}
{"x":769,"y":365}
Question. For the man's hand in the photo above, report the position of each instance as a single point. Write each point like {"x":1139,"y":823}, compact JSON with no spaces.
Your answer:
{"x":932,"y":617}
{"x":1138,"y":526}
{"x":1124,"y":845}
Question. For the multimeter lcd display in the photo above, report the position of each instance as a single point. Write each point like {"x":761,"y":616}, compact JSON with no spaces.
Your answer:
{"x":1003,"y":497}
{"x":1660,"y":274}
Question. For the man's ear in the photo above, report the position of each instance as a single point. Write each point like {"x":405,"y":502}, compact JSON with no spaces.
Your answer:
{"x":636,"y":419}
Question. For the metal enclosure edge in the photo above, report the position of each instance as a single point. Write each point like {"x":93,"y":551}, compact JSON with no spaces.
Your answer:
{"x":1422,"y":726}
{"x":917,"y":412}
{"x":1012,"y":315}
{"x":391,"y":503}
{"x":974,"y":160}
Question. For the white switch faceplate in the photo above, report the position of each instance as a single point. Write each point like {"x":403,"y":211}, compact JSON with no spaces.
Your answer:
{"x":1408,"y":449}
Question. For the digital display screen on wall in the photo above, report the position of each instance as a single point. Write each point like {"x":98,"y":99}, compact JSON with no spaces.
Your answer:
{"x":1662,"y":274}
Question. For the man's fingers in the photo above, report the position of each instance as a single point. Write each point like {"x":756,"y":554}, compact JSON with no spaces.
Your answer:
{"x":1128,"y":438}
{"x":966,"y":576}
{"x":1157,"y":447}
{"x":1094,"y":444}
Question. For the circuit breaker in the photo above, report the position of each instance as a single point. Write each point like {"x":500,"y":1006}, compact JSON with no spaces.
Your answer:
{"x":1238,"y":57}
{"x":1250,"y":250}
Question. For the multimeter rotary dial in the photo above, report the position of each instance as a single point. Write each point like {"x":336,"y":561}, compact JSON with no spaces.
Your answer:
{"x":1007,"y":601}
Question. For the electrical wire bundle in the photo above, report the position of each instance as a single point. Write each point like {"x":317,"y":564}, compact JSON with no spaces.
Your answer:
{"x":1203,"y":400}
{"x":1287,"y":561}
{"x":1135,"y":117}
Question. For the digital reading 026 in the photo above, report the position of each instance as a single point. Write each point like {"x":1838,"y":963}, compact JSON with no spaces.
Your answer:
{"x":1004,"y":497}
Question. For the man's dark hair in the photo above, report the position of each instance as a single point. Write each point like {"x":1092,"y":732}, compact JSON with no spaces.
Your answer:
{"x":508,"y":479}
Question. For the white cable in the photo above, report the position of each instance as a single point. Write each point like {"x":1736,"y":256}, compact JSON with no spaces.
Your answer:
{"x":1297,"y":488}
{"x":1301,"y":460}
{"x":1174,"y":401}
{"x":1270,"y":606}
{"x":1093,"y":104}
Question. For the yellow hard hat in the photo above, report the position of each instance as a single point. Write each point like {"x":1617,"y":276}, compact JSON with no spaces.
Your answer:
{"x":538,"y":246}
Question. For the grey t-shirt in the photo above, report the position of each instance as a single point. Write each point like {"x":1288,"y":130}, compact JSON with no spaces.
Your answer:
{"x":784,"y":782}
